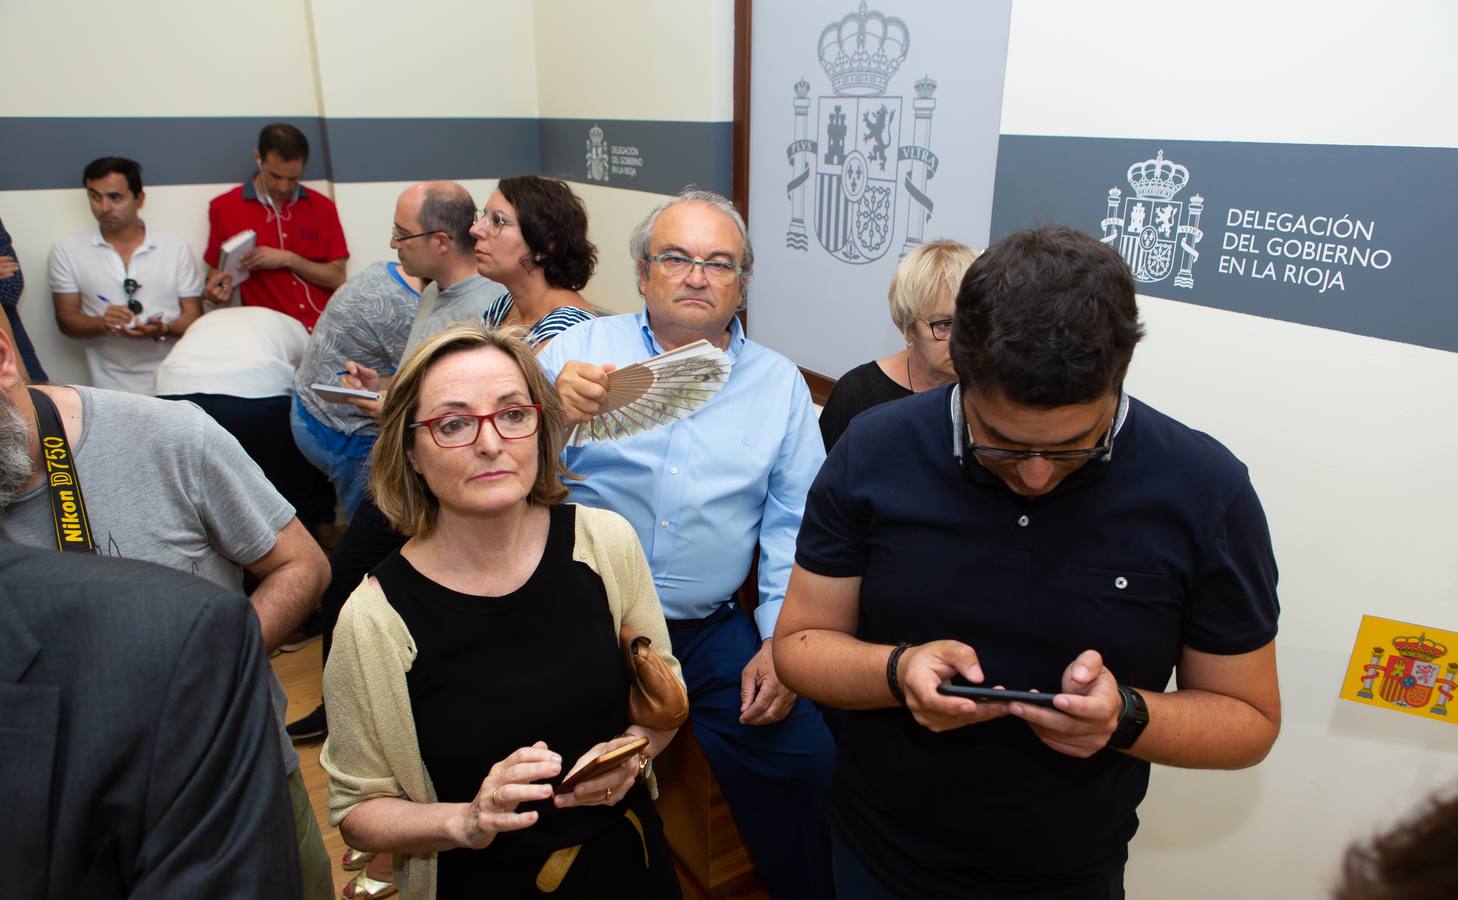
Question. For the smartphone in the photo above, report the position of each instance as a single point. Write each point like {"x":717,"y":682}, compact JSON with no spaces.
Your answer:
{"x":336,"y":394}
{"x":977,"y":692}
{"x":609,"y":760}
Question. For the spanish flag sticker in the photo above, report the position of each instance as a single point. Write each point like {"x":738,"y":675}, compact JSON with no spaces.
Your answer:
{"x":1403,"y":667}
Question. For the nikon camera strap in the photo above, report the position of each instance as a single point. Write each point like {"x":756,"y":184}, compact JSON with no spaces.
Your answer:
{"x":68,"y":510}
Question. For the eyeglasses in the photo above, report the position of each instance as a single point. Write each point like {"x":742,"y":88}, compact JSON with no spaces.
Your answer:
{"x":494,"y":220}
{"x":397,"y":237}
{"x":941,"y":329}
{"x":131,"y":286}
{"x":674,"y":265}
{"x":461,"y":429}
{"x":1104,"y":451}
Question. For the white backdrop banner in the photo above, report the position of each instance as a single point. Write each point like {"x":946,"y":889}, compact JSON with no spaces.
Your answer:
{"x":871,"y":131}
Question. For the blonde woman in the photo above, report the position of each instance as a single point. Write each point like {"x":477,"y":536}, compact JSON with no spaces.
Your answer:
{"x":480,"y":663}
{"x":921,"y":295}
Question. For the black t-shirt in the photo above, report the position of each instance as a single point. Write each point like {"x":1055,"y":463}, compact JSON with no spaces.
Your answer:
{"x":493,"y":674}
{"x":1163,"y":546}
{"x":857,"y":391}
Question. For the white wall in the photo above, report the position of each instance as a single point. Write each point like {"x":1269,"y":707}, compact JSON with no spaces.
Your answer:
{"x":1349,"y":439}
{"x":162,"y":58}
{"x":444,"y":59}
{"x":662,"y":60}
{"x":614,"y":62}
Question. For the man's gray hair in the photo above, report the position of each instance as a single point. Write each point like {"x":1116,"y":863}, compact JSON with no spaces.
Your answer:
{"x":448,"y":207}
{"x":16,"y":466}
{"x":640,"y":241}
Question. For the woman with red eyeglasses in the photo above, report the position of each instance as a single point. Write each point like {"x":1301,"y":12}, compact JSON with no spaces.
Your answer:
{"x":480,"y":662}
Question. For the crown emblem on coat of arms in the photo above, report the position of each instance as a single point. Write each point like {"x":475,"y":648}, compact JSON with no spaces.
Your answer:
{"x":1158,"y":178}
{"x":1421,"y":647}
{"x":862,"y":51}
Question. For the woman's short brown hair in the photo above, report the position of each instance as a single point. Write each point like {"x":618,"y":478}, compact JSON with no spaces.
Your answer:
{"x":399,"y":491}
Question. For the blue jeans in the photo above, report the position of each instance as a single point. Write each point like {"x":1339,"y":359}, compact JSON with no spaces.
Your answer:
{"x":342,"y":457}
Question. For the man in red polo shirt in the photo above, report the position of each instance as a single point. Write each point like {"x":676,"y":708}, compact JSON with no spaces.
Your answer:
{"x":300,"y":253}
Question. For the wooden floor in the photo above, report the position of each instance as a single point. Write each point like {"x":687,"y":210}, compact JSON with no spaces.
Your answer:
{"x":300,"y":673}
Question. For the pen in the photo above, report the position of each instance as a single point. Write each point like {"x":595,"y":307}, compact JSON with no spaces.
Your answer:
{"x":389,"y":370}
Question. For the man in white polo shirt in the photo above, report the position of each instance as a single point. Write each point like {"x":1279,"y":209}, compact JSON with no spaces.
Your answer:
{"x":124,"y":289}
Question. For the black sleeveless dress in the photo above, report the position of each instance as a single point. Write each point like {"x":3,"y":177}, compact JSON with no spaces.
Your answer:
{"x":493,"y":674}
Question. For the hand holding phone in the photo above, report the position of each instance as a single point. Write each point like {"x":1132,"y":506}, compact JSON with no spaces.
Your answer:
{"x":603,"y":763}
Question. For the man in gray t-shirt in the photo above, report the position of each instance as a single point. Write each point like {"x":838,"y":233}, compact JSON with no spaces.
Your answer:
{"x":163,"y":482}
{"x":365,"y":323}
{"x":432,"y":235}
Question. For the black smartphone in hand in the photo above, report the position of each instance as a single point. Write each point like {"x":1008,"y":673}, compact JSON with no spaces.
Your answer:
{"x":977,"y":692}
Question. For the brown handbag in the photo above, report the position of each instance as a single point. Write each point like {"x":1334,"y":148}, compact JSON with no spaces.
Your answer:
{"x":657,"y":699}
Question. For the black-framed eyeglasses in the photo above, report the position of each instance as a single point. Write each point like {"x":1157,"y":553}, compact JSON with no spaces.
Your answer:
{"x":397,"y":238}
{"x":494,"y":220}
{"x":461,"y":429}
{"x":676,"y":265}
{"x":941,"y":329}
{"x":987,"y":454}
{"x":131,"y":286}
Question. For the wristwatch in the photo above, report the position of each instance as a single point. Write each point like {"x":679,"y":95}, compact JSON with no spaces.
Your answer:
{"x":1131,"y":721}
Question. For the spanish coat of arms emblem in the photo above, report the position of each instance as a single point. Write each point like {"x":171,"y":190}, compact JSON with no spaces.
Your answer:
{"x":1147,"y":228}
{"x":848,"y":176}
{"x":1411,"y":676}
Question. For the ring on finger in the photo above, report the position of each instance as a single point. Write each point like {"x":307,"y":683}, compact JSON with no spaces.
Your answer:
{"x":496,"y":796}
{"x":609,"y":796}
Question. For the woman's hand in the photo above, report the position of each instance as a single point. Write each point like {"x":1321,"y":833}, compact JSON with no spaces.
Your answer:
{"x":507,"y":784}
{"x":609,"y":787}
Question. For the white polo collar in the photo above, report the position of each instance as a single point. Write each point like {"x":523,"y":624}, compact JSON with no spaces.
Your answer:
{"x":148,"y":242}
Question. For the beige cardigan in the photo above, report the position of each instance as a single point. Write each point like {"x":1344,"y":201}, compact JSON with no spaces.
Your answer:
{"x":372,"y":750}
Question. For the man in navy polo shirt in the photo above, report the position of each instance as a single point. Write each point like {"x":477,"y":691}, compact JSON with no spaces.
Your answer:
{"x":1035,"y":528}
{"x":299,"y":259}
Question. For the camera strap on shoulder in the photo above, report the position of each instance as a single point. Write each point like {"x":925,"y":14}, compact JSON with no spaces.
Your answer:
{"x":68,"y":509}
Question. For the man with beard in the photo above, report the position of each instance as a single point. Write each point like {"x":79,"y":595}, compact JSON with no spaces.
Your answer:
{"x":160,"y":481}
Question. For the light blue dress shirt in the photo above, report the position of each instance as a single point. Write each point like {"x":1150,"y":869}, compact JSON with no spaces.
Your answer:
{"x":702,"y":491}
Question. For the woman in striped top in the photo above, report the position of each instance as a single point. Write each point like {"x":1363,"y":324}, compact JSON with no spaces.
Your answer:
{"x":532,"y":239}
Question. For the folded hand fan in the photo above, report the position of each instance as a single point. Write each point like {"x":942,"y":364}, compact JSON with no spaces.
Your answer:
{"x":656,"y":391}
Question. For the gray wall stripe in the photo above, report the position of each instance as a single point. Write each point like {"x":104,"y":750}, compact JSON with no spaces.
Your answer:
{"x":418,"y":149}
{"x":45,"y":153}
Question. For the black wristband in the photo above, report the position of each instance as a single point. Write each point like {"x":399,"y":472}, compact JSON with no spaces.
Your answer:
{"x":891,"y":681}
{"x":1132,"y":719}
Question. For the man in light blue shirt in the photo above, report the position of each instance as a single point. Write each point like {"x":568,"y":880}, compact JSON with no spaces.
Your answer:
{"x":702,"y":494}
